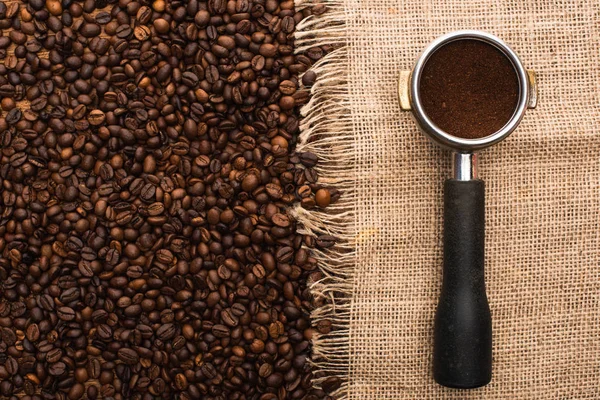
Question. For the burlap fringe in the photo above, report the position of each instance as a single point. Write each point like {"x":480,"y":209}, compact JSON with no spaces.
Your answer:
{"x":326,"y":131}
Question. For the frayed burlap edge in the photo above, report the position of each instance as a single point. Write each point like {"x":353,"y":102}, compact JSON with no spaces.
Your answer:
{"x":326,"y":130}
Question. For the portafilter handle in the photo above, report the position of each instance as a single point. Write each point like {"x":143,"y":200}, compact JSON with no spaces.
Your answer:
{"x":462,"y":352}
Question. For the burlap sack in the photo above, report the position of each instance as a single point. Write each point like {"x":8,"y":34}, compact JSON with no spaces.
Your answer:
{"x":543,"y":201}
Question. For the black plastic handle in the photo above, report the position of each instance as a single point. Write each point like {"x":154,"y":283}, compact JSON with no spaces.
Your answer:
{"x":462,"y":355}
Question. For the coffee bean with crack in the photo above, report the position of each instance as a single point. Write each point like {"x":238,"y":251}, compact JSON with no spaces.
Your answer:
{"x":128,"y":356}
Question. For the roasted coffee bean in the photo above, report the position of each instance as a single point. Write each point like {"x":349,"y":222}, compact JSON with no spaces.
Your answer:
{"x":221,"y":331}
{"x":148,"y":192}
{"x":65,"y":313}
{"x":103,"y":18}
{"x":104,"y":332}
{"x":128,"y":356}
{"x":284,"y":254}
{"x":144,"y":14}
{"x":11,"y":10}
{"x":90,"y":30}
{"x":54,"y":355}
{"x":274,"y":191}
{"x":33,"y":332}
{"x":325,"y":241}
{"x":229,"y":318}
{"x":281,"y":220}
{"x":85,"y":268}
{"x":308,"y":159}
{"x":309,"y":78}
{"x":181,"y":382}
{"x":323,"y":198}
{"x":57,"y":368}
{"x":217,"y":6}
{"x":166,"y":332}
{"x":331,"y":384}
{"x":208,"y":370}
{"x":12,"y":366}
{"x":96,"y":117}
{"x":94,"y":368}
{"x":142,"y":32}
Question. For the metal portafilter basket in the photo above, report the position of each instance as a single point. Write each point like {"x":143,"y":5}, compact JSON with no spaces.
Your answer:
{"x":462,"y":356}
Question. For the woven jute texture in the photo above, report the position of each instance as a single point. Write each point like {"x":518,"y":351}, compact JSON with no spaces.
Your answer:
{"x":543,"y":202}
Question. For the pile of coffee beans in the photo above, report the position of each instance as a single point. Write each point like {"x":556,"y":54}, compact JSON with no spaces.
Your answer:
{"x":146,"y":165}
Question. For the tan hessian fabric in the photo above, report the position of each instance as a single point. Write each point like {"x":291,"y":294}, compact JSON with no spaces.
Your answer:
{"x":543,"y":202}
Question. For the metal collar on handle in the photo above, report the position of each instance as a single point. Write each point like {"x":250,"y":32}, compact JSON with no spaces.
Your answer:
{"x":465,"y":166}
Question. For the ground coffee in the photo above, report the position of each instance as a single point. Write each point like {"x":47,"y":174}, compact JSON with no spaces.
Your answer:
{"x":469,"y":89}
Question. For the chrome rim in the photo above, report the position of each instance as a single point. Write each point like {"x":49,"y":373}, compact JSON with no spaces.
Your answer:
{"x":457,"y":143}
